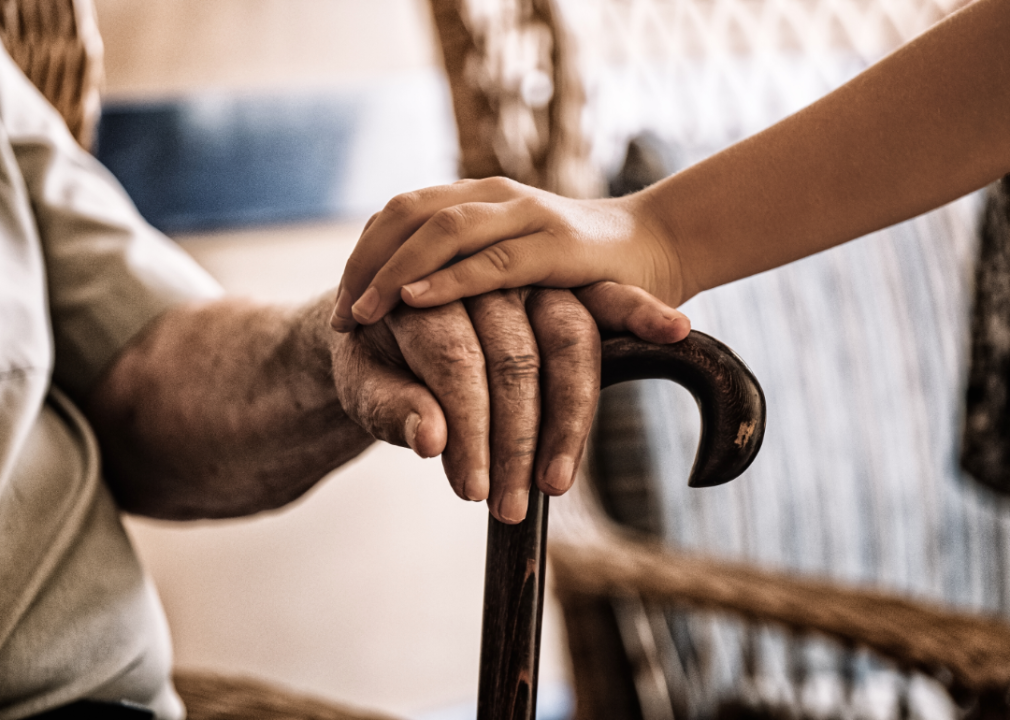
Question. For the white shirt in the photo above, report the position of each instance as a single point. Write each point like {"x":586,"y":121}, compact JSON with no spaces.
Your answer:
{"x":81,"y":274}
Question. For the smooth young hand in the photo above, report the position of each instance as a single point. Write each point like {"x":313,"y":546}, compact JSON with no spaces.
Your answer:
{"x":441,"y":244}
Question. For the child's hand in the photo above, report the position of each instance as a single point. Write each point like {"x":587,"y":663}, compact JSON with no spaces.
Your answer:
{"x":440,"y":244}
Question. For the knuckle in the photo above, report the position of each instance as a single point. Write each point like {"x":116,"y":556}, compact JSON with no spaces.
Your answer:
{"x":516,"y":366}
{"x":500,"y":258}
{"x":512,"y":465}
{"x":451,"y":221}
{"x":374,"y":409}
{"x":558,"y":310}
{"x":568,"y":333}
{"x":403,"y":206}
{"x":502,"y":184}
{"x":607,"y":289}
{"x":534,"y":204}
{"x":354,"y":266}
{"x":460,"y":355}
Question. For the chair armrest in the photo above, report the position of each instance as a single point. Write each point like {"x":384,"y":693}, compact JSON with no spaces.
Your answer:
{"x":974,"y":649}
{"x":209,"y":696}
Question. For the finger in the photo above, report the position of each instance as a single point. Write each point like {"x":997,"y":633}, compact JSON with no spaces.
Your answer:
{"x":626,"y":308}
{"x":450,"y":233}
{"x":389,"y":403}
{"x":513,"y":369}
{"x":441,"y":348}
{"x":534,"y":259}
{"x":342,"y":309}
{"x":570,"y":383}
{"x":370,"y":222}
{"x":398,"y":220}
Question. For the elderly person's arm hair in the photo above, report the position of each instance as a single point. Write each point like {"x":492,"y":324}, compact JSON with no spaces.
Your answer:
{"x":220,"y":409}
{"x":228,"y":407}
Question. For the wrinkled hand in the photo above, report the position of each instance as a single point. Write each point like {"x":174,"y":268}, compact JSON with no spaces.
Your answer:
{"x":437,"y":245}
{"x":469,"y":381}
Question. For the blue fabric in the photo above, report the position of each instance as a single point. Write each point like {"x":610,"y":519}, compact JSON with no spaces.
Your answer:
{"x":211,"y":161}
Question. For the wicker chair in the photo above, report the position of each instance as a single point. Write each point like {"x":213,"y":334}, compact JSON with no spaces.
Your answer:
{"x":680,"y":605}
{"x":633,"y":656}
{"x":58,"y":47}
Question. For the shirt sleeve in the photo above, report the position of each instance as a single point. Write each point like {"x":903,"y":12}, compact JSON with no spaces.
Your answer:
{"x":109,"y":273}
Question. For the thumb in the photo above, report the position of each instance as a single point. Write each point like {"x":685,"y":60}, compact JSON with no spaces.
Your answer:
{"x":393,"y":406}
{"x":626,"y":308}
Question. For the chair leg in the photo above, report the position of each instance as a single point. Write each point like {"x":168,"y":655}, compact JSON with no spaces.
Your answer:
{"x":991,"y":705}
{"x":603,"y":675}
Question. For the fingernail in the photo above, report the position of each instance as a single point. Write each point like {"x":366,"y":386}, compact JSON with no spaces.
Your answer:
{"x":366,"y":305}
{"x":477,"y":486}
{"x":677,"y":327}
{"x":416,"y":289}
{"x":558,"y":476}
{"x":513,"y":506}
{"x":339,"y":321}
{"x":410,"y":430}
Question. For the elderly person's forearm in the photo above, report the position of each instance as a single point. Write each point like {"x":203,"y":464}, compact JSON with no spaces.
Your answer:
{"x":222,"y":409}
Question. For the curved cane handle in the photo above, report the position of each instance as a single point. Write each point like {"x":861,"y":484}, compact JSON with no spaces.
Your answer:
{"x":729,"y":397}
{"x":732,"y":408}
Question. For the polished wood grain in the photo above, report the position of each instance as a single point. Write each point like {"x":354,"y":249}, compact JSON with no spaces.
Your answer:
{"x":513,"y":610}
{"x":729,"y":397}
{"x":732,"y":408}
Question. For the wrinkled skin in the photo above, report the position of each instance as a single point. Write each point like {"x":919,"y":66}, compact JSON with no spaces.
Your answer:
{"x":229,"y":408}
{"x":490,"y":366}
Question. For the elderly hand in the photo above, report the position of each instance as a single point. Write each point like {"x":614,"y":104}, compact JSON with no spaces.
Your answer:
{"x":504,"y":385}
{"x":469,"y":381}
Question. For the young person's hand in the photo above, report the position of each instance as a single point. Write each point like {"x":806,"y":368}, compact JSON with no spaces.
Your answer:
{"x":441,"y":244}
{"x":920,"y":128}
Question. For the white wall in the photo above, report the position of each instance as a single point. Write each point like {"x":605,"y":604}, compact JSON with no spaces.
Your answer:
{"x":157,"y":48}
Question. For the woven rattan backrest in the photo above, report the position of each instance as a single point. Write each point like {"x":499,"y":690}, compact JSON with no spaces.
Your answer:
{"x":548,"y":92}
{"x":57,"y":45}
{"x":517,"y":99}
{"x":702,"y":74}
{"x":706,"y":72}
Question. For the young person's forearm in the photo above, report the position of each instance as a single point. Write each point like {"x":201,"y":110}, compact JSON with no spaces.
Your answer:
{"x":924,"y":126}
{"x":222,"y":410}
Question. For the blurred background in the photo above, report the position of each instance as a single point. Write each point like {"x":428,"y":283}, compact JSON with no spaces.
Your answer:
{"x":261,"y":134}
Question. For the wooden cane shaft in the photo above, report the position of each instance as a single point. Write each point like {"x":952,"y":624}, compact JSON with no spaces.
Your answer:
{"x":513,"y":613}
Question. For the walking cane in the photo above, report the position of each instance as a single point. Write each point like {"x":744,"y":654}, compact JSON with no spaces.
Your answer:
{"x":732,"y":409}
